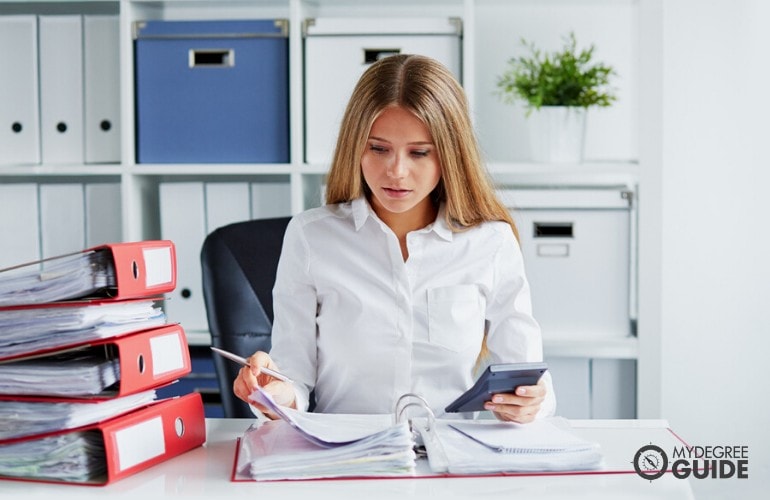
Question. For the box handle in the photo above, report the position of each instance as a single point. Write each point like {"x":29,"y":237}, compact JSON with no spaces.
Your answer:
{"x":552,"y":230}
{"x":374,"y":55}
{"x":211,"y":58}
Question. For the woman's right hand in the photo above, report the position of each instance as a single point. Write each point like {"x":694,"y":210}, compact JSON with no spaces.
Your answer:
{"x":250,"y":377}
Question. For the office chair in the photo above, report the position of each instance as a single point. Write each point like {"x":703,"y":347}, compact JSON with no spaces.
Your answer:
{"x":239,"y":263}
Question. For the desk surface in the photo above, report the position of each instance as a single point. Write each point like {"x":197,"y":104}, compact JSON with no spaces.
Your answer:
{"x":205,"y":472}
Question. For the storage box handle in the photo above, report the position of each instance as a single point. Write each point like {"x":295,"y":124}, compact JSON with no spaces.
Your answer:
{"x":374,"y":55}
{"x":552,"y":230}
{"x":211,"y":58}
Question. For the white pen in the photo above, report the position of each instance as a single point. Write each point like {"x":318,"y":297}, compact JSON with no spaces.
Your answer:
{"x":244,"y":362}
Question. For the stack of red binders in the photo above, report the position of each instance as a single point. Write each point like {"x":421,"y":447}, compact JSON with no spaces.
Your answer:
{"x":84,"y":344}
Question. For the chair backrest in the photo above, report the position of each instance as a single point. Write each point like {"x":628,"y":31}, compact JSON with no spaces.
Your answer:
{"x":239,"y":262}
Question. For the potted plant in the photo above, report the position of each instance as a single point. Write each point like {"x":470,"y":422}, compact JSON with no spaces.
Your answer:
{"x":557,"y":89}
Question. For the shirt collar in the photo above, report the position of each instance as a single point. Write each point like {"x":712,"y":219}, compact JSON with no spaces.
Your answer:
{"x":362,"y":211}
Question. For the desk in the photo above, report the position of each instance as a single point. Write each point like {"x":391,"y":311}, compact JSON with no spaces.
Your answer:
{"x":205,"y":472}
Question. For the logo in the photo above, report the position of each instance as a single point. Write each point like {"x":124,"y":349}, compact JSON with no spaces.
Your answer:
{"x":650,"y":462}
{"x":700,"y":462}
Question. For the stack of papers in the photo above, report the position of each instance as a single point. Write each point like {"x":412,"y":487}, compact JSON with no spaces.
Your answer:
{"x":311,"y":446}
{"x":27,"y":330}
{"x":73,"y":457}
{"x":488,"y":446}
{"x":19,"y":418}
{"x":80,"y":372}
{"x":60,"y":278}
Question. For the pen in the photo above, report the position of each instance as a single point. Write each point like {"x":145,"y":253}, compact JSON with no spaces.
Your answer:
{"x":244,"y":362}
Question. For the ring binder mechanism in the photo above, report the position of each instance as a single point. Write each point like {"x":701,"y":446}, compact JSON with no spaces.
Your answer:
{"x":404,"y":403}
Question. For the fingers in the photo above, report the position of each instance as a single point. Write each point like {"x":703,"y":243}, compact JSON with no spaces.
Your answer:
{"x":521,"y":407}
{"x":250,"y":377}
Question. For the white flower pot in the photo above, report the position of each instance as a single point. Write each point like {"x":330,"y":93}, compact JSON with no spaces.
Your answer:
{"x":557,"y":134}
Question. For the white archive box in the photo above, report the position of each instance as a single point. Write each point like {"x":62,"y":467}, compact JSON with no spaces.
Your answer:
{"x":579,"y":256}
{"x":338,"y":51}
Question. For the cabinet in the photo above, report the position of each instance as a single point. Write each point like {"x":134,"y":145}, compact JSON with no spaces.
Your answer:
{"x":491,"y":30}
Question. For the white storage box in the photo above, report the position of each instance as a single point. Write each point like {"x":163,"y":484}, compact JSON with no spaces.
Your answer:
{"x":578,"y":247}
{"x":338,"y":50}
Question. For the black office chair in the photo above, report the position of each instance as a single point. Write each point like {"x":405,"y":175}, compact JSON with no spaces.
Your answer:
{"x":239,"y":262}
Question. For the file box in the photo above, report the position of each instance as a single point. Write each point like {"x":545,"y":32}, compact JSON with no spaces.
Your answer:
{"x":212,"y":91}
{"x":579,"y":257}
{"x":338,"y":50}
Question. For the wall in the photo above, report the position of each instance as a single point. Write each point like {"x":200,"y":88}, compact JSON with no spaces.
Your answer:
{"x":715,"y":267}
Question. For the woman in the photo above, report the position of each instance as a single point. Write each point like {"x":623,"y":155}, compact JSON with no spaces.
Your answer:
{"x":411,"y":271}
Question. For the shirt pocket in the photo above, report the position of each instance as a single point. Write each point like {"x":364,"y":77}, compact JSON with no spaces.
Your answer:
{"x":456,"y":316}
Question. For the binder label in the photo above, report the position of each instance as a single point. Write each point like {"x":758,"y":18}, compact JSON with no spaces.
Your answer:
{"x":140,"y":443}
{"x":167,"y":354}
{"x":158,"y":266}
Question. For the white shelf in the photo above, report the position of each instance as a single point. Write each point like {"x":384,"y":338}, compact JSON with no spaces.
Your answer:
{"x":614,"y":348}
{"x":491,"y":30}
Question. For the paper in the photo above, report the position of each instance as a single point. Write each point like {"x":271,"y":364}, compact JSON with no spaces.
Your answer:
{"x":323,"y":429}
{"x":27,"y":418}
{"x":73,"y":457}
{"x":317,"y":445}
{"x":75,"y":373}
{"x":488,"y":446}
{"x":27,"y":330}
{"x":60,"y":278}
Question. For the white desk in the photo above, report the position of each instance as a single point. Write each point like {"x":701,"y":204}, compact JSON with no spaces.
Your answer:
{"x":205,"y":472}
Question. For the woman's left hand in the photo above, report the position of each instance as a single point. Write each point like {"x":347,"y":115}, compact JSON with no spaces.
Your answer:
{"x":521,"y":406}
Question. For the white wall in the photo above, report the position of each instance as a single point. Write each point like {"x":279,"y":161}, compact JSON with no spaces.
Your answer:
{"x":715,"y":231}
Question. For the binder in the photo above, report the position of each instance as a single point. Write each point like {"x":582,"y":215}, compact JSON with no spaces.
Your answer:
{"x":62,"y":219}
{"x":113,"y":271}
{"x":19,"y":104}
{"x":127,"y":444}
{"x":101,"y":70}
{"x":301,"y":445}
{"x":61,"y":88}
{"x":103,"y":213}
{"x":226,"y":202}
{"x":270,"y":199}
{"x":19,"y":218}
{"x":139,"y":361}
{"x":183,"y":220}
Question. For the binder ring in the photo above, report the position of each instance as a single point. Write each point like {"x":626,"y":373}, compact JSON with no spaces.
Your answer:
{"x":407,"y":400}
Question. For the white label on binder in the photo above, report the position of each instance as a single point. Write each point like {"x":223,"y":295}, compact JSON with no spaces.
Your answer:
{"x":158,"y":266}
{"x":140,"y":443}
{"x":166,"y":353}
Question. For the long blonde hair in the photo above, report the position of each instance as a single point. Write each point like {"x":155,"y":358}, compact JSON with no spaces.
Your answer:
{"x":429,"y":90}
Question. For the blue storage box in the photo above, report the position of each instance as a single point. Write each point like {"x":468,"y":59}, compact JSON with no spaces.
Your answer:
{"x":212,"y":91}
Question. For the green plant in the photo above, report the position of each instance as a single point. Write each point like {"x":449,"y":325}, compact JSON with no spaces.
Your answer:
{"x":564,"y":78}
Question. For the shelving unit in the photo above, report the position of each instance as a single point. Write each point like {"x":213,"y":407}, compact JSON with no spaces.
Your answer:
{"x":491,"y":29}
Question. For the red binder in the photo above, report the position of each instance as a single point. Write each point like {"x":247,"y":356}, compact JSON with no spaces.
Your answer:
{"x":138,"y":440}
{"x":147,"y":359}
{"x":141,"y":269}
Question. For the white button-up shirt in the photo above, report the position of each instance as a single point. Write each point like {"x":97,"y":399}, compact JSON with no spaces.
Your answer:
{"x":362,"y":327}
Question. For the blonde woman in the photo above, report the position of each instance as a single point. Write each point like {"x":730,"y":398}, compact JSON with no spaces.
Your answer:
{"x":410,"y":271}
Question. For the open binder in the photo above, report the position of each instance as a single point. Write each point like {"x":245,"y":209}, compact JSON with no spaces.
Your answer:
{"x":303,"y":445}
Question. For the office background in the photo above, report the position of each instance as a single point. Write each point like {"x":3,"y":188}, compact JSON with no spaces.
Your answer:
{"x":692,"y":137}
